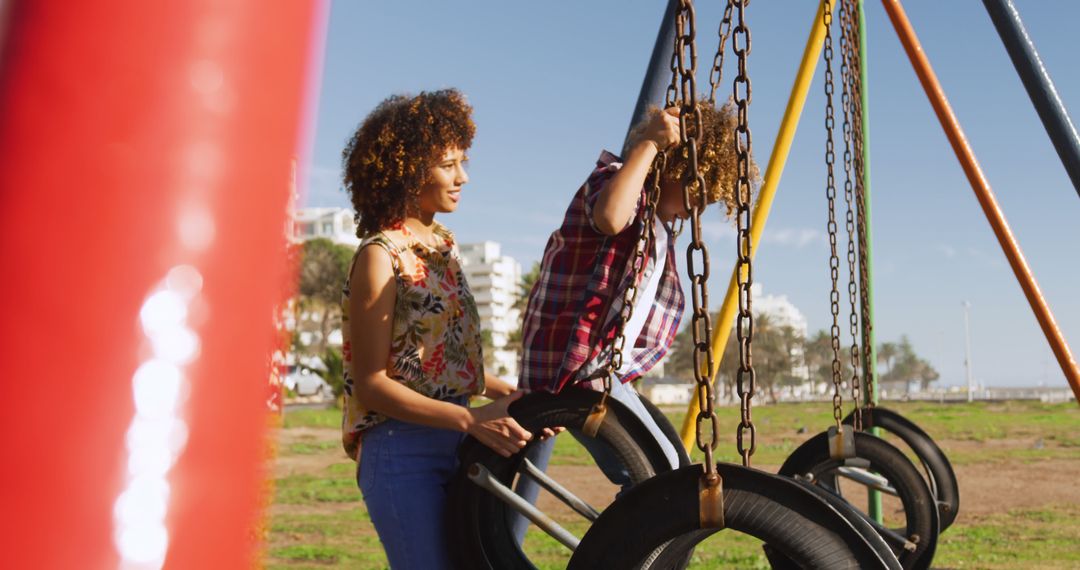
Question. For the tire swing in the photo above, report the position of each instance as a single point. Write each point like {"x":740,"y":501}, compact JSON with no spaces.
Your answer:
{"x":481,"y":503}
{"x":936,"y":465}
{"x":681,"y":508}
{"x":844,"y":451}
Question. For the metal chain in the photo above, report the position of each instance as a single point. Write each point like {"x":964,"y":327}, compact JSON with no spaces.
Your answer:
{"x":716,"y":74}
{"x":637,"y":266}
{"x":849,"y":198}
{"x":690,"y":128}
{"x":860,"y":205}
{"x":746,"y":379}
{"x":830,"y":194}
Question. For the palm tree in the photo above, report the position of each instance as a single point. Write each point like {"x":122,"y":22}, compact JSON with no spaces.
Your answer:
{"x":525,"y":287}
{"x":886,"y":352}
{"x":324,"y":266}
{"x":514,"y":339}
{"x":817,"y":355}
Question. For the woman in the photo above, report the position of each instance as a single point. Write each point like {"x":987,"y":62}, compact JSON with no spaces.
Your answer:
{"x":412,"y":333}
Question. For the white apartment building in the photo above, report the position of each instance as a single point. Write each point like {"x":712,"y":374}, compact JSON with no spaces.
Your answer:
{"x":493,"y":279}
{"x":335,"y":224}
{"x":779,"y":309}
{"x":784,"y":313}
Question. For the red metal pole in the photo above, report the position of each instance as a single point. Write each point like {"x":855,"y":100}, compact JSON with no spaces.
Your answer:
{"x":983,"y":192}
{"x":145,"y":155}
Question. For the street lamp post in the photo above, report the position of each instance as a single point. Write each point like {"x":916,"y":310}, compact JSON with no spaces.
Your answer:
{"x":967,"y":353}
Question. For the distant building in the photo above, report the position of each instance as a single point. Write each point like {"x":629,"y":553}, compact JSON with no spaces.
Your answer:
{"x":334,"y":224}
{"x":661,"y":391}
{"x":780,"y":310}
{"x":493,"y":279}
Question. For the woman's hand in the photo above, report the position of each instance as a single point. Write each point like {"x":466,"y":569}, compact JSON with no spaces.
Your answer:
{"x":492,"y":426}
{"x":662,"y":129}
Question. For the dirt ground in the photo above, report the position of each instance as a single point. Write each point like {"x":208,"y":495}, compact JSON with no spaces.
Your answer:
{"x":986,"y":488}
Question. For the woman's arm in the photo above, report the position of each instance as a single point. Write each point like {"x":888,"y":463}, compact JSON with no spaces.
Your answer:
{"x":371,"y":310}
{"x":616,"y":203}
{"x":495,"y":388}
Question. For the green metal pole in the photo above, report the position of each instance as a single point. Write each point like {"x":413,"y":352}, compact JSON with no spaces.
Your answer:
{"x":870,"y":367}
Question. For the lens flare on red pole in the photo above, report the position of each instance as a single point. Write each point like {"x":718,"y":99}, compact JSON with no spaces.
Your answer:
{"x":145,"y":159}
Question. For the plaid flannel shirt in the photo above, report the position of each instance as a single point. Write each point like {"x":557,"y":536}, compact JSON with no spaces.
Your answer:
{"x":569,"y":321}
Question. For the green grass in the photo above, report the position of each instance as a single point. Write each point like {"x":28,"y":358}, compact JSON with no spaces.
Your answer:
{"x":305,"y":489}
{"x":1044,"y":538}
{"x":316,"y":418}
{"x":1058,"y":425}
{"x":311,"y":447}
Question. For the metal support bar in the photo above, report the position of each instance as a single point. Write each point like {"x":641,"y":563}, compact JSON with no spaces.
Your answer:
{"x":775,"y":169}
{"x":886,"y":533}
{"x":562,"y":493}
{"x":1039,"y":86}
{"x":658,"y":74}
{"x":891,"y":536}
{"x":481,"y":476}
{"x":873,"y":394}
{"x":985,"y":195}
{"x":876,"y":482}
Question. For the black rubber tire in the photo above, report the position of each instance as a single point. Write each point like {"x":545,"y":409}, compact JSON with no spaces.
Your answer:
{"x":939,"y":472}
{"x":793,"y":521}
{"x":479,"y":534}
{"x":667,"y":429}
{"x":858,"y":522}
{"x":669,"y":557}
{"x":811,"y":460}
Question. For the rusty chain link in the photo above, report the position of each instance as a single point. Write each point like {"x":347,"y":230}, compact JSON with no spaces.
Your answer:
{"x":830,"y":194}
{"x":637,"y":267}
{"x":690,"y":128}
{"x":746,"y":379}
{"x":860,"y":204}
{"x":716,"y":74}
{"x":847,"y":43}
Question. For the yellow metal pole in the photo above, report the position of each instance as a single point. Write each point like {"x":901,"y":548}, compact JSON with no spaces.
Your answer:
{"x":722,"y":326}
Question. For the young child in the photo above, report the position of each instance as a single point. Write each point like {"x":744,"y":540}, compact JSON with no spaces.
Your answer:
{"x":574,"y":307}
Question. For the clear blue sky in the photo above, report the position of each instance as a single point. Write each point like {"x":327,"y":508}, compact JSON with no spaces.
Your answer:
{"x":554,"y":83}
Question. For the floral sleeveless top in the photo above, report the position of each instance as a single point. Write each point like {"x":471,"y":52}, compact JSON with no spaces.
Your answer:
{"x":435,"y":345}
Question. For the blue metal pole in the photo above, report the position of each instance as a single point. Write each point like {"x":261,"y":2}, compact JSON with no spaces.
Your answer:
{"x":658,"y":74}
{"x":1039,"y":86}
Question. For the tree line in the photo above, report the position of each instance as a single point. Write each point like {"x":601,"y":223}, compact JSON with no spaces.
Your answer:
{"x":783,"y":356}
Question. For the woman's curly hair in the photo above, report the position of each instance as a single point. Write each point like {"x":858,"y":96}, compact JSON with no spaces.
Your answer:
{"x":389,"y":157}
{"x":717,"y":160}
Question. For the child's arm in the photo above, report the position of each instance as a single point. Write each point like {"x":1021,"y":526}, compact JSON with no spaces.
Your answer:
{"x":616,"y":203}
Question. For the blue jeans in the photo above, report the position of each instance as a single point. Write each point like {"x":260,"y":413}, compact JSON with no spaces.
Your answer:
{"x":403,"y":473}
{"x":601,"y":452}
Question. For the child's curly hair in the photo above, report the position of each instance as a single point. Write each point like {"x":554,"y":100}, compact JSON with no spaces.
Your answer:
{"x":390,"y":155}
{"x":717,"y":161}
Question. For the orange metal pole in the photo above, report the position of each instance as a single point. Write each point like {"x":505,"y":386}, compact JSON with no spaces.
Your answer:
{"x":983,"y":192}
